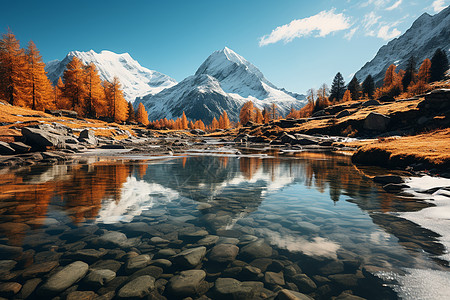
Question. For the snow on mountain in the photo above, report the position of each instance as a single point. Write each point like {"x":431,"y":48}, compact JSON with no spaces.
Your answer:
{"x":225,"y":81}
{"x":136,"y":80}
{"x":421,"y":40}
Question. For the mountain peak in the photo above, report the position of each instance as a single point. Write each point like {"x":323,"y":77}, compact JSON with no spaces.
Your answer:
{"x":136,"y":80}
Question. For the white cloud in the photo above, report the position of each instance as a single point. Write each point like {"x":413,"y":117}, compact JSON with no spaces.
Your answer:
{"x":350,"y":34}
{"x":370,"y":20}
{"x":324,"y":22}
{"x":395,"y":5}
{"x":386,"y":35}
{"x":438,"y":5}
{"x":377,"y":3}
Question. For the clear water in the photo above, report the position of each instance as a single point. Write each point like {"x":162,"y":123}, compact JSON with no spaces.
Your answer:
{"x":317,"y":212}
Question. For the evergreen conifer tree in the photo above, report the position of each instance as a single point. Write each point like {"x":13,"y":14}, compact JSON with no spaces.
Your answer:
{"x":368,"y":86}
{"x":439,"y":65}
{"x":354,"y":88}
{"x":337,"y":88}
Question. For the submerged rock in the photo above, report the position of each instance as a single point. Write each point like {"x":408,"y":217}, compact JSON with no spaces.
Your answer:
{"x":64,"y":278}
{"x":187,"y":283}
{"x":258,"y":249}
{"x":191,"y":257}
{"x":229,"y":288}
{"x":100,"y":277}
{"x":223,"y":253}
{"x":137,"y":288}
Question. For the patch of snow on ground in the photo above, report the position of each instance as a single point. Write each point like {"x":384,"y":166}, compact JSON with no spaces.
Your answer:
{"x":424,"y":284}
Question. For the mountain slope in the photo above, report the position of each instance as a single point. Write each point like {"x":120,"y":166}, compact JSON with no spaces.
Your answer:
{"x":225,"y":81}
{"x":421,"y":40}
{"x":136,"y":80}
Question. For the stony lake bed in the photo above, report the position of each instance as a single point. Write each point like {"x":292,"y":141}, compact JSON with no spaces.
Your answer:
{"x":215,"y":220}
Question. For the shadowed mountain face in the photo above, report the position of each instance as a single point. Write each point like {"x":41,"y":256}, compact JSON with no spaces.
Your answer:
{"x":421,"y":40}
{"x":225,"y":81}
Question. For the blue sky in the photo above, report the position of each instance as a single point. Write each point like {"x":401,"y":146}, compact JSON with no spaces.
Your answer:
{"x":296,"y":44}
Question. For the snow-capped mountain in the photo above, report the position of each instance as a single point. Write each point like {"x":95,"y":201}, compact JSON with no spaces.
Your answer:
{"x":136,"y":80}
{"x":225,"y":81}
{"x":421,"y":40}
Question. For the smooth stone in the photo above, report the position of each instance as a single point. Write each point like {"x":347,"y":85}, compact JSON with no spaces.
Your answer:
{"x":28,"y":288}
{"x":333,"y":267}
{"x":272,"y":278}
{"x":99,"y":277}
{"x":109,"y":264}
{"x":261,"y":263}
{"x":64,"y":278}
{"x":107,"y":296}
{"x":346,"y":296}
{"x":10,"y":251}
{"x":229,"y":288}
{"x":38,"y":270}
{"x":138,"y":262}
{"x":223,"y":253}
{"x":7,"y":265}
{"x":347,"y":280}
{"x":87,"y":255}
{"x":285,"y":294}
{"x":190,"y":257}
{"x":252,"y":273}
{"x":203,"y":206}
{"x":258,"y":249}
{"x":304,"y":283}
{"x":163,"y":263}
{"x":76,"y":234}
{"x":137,"y":288}
{"x":158,"y":240}
{"x":187,"y":283}
{"x":153,"y":271}
{"x":208,"y":241}
{"x":227,"y":240}
{"x":113,"y":239}
{"x":9,"y":289}
{"x":165,"y":253}
{"x":81,"y":295}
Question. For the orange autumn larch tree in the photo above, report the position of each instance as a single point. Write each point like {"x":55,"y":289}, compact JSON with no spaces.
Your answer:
{"x":247,"y":113}
{"x":38,"y":89}
{"x":12,"y":69}
{"x":118,"y":106}
{"x":184,"y":122}
{"x":95,"y":104}
{"x":141,"y":115}
{"x":74,"y":87}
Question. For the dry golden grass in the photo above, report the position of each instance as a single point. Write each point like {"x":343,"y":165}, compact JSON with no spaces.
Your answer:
{"x":22,"y":117}
{"x":432,"y":148}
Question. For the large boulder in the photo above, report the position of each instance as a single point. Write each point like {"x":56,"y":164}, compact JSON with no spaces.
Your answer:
{"x":223,"y":253}
{"x":40,"y":138}
{"x":376,"y":121}
{"x":258,"y":249}
{"x":229,"y":288}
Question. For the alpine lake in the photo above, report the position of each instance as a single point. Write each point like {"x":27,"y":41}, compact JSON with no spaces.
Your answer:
{"x":208,"y":225}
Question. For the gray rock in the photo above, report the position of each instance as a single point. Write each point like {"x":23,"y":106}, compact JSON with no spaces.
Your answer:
{"x":371,"y":102}
{"x":208,"y":241}
{"x":87,"y":255}
{"x":28,"y":288}
{"x":304,"y":283}
{"x":333,"y":267}
{"x":229,"y":288}
{"x":252,"y":273}
{"x":109,"y":264}
{"x":138,"y":262}
{"x":223,"y":253}
{"x":5,"y":149}
{"x":37,"y":270}
{"x":347,"y":280}
{"x":376,"y":121}
{"x":273,"y":278}
{"x":87,"y":136}
{"x":187,"y":283}
{"x":113,"y":239}
{"x":10,"y":251}
{"x":166,"y":252}
{"x":164,"y":263}
{"x":291,"y":295}
{"x":190,"y":258}
{"x":137,"y":288}
{"x":153,"y":271}
{"x":20,"y":147}
{"x":40,"y":138}
{"x":64,"y":278}
{"x":258,"y":249}
{"x":98,"y":278}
